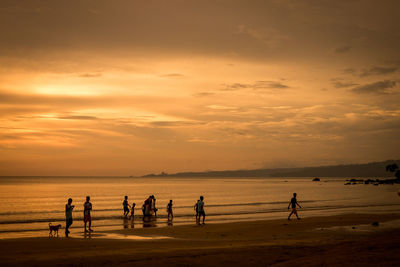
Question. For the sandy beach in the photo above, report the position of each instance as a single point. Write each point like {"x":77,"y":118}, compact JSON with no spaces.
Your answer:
{"x":330,"y":241}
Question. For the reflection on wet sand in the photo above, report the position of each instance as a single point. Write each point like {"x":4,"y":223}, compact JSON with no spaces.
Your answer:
{"x":126,"y":223}
{"x":149,"y":221}
{"x":87,"y":235}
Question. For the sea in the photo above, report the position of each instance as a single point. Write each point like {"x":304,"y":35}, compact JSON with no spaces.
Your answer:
{"x":29,"y":204}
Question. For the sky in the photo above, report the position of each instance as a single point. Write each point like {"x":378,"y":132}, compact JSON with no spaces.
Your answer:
{"x":135,"y":87}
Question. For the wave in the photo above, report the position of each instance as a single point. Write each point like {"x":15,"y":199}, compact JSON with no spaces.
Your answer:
{"x":139,"y":208}
{"x":177,"y":215}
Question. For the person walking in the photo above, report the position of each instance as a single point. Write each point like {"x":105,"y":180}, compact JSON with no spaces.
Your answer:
{"x":200,"y":209}
{"x":68,"y":216}
{"x":133,"y":210}
{"x":293,"y":203}
{"x":169,"y":211}
{"x":126,"y":206}
{"x":196,"y":209}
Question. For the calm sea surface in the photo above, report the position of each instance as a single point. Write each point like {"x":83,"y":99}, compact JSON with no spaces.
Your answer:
{"x":28,"y":204}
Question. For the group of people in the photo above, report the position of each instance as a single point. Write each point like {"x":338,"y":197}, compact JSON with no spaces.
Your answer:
{"x":149,"y":208}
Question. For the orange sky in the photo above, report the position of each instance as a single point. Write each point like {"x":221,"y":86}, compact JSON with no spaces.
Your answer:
{"x":136,"y":87}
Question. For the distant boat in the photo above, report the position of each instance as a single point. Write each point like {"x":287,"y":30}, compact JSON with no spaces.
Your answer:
{"x":316,"y":179}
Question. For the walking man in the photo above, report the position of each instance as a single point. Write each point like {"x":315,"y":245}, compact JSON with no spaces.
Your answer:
{"x":200,"y":209}
{"x":68,"y":216}
{"x":126,"y":206}
{"x":293,"y":203}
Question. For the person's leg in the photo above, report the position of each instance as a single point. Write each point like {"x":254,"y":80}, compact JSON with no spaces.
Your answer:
{"x":66,"y":228}
{"x":204,"y":217}
{"x":90,"y":225}
{"x":290,"y":215}
{"x":297,"y":216}
{"x":85,"y":225}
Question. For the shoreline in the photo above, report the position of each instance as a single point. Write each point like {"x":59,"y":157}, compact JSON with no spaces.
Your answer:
{"x":236,"y":243}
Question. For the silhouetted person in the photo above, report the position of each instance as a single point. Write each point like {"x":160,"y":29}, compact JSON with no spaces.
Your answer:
{"x":169,"y":210}
{"x":126,"y":206}
{"x":197,"y":211}
{"x":144,"y":209}
{"x":200,"y":209}
{"x":68,"y":216}
{"x":293,"y":203}
{"x":133,"y":210}
{"x":87,"y":208}
{"x":153,"y":205}
{"x":147,"y":206}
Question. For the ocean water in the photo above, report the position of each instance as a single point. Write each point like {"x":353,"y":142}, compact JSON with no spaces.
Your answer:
{"x":29,"y":204}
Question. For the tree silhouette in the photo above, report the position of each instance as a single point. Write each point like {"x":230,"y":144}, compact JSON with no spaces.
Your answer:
{"x":392,"y":168}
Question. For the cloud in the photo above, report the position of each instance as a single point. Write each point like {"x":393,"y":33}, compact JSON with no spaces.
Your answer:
{"x":77,"y":118}
{"x":349,"y":71}
{"x":374,"y":88}
{"x":90,"y":75}
{"x":378,"y":71}
{"x":174,"y":123}
{"x":343,"y":49}
{"x":267,"y":35}
{"x":255,"y":86}
{"x":339,"y":84}
{"x":270,"y":84}
{"x":171,"y":75}
{"x":203,"y":94}
{"x":220,"y":107}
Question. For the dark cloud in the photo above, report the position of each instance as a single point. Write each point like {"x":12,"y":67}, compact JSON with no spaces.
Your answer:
{"x":270,"y":84}
{"x":236,"y":86}
{"x":374,"y":88}
{"x":77,"y":118}
{"x":265,"y":30}
{"x":258,"y":85}
{"x":378,"y":71}
{"x":339,"y":84}
{"x":173,"y":123}
{"x":343,"y":49}
{"x":349,"y":71}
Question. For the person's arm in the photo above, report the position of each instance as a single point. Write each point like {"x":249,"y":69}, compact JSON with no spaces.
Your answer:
{"x":289,"y":205}
{"x":298,"y":204}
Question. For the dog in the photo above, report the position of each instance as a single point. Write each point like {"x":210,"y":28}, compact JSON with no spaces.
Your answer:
{"x":54,"y":228}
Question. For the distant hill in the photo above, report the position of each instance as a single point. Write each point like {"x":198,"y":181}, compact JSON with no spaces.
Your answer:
{"x":373,"y":169}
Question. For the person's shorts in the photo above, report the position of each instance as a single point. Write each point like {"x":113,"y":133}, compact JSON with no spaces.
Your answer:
{"x":87,"y":218}
{"x":294,"y":210}
{"x":126,"y":209}
{"x":201,"y":213}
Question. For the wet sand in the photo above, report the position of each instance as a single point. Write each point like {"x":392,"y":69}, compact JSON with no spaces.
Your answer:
{"x":328,"y":241}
